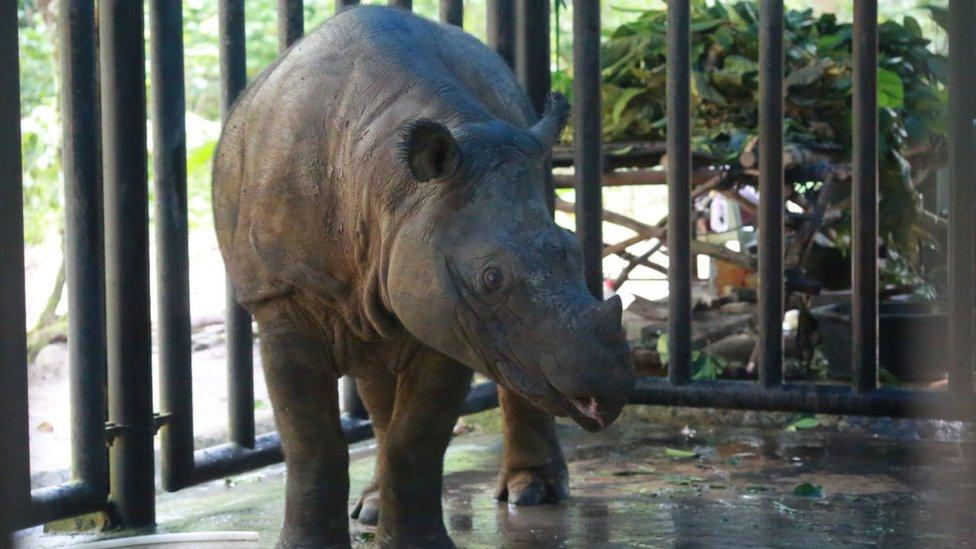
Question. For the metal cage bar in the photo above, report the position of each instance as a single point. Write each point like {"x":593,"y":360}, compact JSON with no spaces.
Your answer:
{"x":84,"y":258}
{"x":587,"y":138}
{"x":532,"y":50}
{"x":240,"y":350}
{"x":291,"y":22}
{"x":771,"y":193}
{"x":128,"y":349}
{"x":172,"y":241}
{"x":88,"y":489}
{"x":405,"y":4}
{"x":15,"y":480}
{"x":532,"y":63}
{"x":343,"y":4}
{"x":864,"y":253}
{"x":500,"y":22}
{"x":679,"y":191}
{"x":962,"y":196}
{"x":452,"y":12}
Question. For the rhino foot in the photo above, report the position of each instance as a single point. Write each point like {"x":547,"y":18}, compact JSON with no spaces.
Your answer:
{"x":367,"y":509}
{"x":549,"y":484}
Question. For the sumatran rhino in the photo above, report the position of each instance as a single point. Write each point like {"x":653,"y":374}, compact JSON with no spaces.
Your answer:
{"x":380,"y":205}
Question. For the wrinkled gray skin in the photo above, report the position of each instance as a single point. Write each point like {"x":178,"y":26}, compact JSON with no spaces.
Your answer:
{"x":379,"y":204}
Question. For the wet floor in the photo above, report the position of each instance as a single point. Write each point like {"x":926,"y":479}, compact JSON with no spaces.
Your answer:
{"x":648,"y":484}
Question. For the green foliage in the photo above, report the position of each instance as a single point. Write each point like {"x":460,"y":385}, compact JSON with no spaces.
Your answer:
{"x":818,"y":78}
{"x":40,"y":124}
{"x":703,"y":365}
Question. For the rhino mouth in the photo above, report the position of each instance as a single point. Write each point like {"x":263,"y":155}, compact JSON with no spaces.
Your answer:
{"x":479,"y":330}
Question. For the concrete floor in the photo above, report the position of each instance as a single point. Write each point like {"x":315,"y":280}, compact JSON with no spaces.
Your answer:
{"x":883,"y":482}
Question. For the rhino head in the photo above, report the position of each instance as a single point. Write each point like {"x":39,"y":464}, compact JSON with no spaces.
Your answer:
{"x":479,"y":271}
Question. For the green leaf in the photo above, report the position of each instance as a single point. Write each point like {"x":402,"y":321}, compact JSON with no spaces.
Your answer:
{"x":623,"y":99}
{"x":891,"y":90}
{"x":806,"y":422}
{"x":808,"y":490}
{"x":662,"y":348}
{"x":364,"y":537}
{"x":679,"y":454}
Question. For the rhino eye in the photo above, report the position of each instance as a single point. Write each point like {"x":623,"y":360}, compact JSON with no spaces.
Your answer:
{"x":493,"y":279}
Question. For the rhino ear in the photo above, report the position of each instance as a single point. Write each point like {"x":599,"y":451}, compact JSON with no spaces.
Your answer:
{"x":429,"y":150}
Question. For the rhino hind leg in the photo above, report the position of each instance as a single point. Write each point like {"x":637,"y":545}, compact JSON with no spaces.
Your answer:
{"x":304,"y":396}
{"x":533,"y":468}
{"x":429,"y":394}
{"x":379,"y":395}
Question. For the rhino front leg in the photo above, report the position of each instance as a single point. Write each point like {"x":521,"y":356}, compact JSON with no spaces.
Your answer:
{"x":411,"y":460}
{"x":533,"y":468}
{"x":304,"y":393}
{"x":378,"y":393}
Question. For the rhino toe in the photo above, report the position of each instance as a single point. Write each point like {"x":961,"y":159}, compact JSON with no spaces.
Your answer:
{"x":533,"y":487}
{"x":367,"y":510}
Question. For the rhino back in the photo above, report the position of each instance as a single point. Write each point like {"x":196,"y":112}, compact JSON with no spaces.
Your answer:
{"x":308,"y":167}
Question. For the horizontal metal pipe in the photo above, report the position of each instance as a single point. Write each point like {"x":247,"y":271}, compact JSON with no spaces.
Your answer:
{"x":64,"y":500}
{"x":679,"y":191}
{"x":228,"y":459}
{"x":481,"y":397}
{"x":864,"y":242}
{"x":822,"y":399}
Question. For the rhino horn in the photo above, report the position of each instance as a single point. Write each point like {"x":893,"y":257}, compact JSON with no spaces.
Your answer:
{"x":554,"y":117}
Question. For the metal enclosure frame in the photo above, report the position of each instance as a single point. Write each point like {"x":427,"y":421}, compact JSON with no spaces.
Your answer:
{"x":106,"y":197}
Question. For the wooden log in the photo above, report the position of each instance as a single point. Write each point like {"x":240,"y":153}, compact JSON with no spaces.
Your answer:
{"x":635,"y":177}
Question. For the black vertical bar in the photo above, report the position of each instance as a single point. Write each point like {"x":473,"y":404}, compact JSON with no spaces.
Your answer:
{"x":15,"y":479}
{"x":962,"y":198}
{"x":501,"y":29}
{"x":405,"y":4}
{"x":291,"y":23}
{"x":84,"y":258}
{"x":864,"y":245}
{"x":343,"y":4}
{"x":679,"y":191}
{"x":532,"y":50}
{"x":240,"y":359}
{"x":587,"y":140}
{"x":532,"y":62}
{"x":126,"y":206}
{"x":172,"y":253}
{"x":452,"y":12}
{"x":771,"y":193}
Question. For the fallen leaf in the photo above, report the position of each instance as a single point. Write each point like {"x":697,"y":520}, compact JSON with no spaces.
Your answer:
{"x":808,"y":490}
{"x":679,"y":454}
